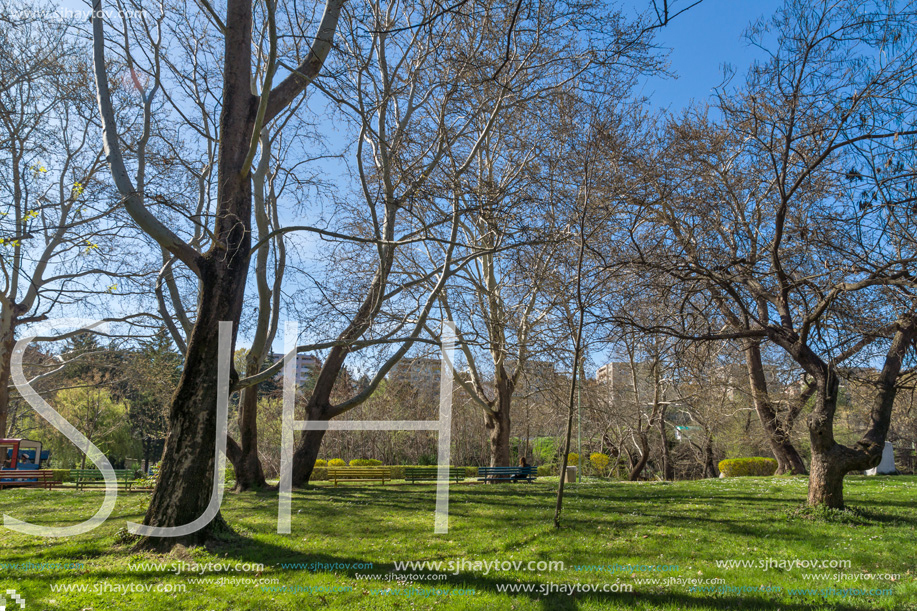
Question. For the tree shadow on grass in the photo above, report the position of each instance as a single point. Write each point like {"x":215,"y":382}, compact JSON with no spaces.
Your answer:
{"x":520,"y":511}
{"x":538,"y":592}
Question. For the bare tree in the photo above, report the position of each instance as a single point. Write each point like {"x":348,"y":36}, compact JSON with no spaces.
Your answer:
{"x":501,"y":299}
{"x":405,"y":89}
{"x":766,"y":225}
{"x":188,"y":462}
{"x":61,"y":236}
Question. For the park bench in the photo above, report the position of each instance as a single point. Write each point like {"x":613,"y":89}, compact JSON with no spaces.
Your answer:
{"x":24,"y":478}
{"x":360,"y":474}
{"x":94,"y":477}
{"x":427,"y":474}
{"x":507,"y":474}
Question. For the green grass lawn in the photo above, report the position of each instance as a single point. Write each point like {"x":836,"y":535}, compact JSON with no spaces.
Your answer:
{"x":671,"y":533}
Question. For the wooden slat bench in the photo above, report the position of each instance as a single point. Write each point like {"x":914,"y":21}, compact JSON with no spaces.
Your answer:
{"x":507,"y":474}
{"x":24,"y":478}
{"x":94,"y":477}
{"x":427,"y":474}
{"x":360,"y":474}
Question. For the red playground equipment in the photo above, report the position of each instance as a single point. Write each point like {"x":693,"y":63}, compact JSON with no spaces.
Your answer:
{"x":22,"y":455}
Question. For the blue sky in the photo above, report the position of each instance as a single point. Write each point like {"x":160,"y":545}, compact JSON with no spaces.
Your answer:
{"x":701,"y":41}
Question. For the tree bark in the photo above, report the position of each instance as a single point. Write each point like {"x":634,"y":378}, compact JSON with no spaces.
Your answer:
{"x":317,"y":409}
{"x":188,"y":465}
{"x":497,"y":424}
{"x":667,"y":470}
{"x":7,"y":342}
{"x":826,"y":480}
{"x":709,"y":465}
{"x":831,"y":460}
{"x":497,"y":421}
{"x":246,"y":462}
{"x":776,"y":432}
{"x":644,"y":456}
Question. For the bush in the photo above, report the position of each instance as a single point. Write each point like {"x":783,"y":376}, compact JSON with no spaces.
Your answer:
{"x":545,"y":470}
{"x":321,"y":463}
{"x":149,"y":481}
{"x":545,"y":450}
{"x":471,"y":471}
{"x":230,"y":478}
{"x":60,"y":475}
{"x":743,"y":467}
{"x":573,"y":459}
{"x":336,"y":462}
{"x":365,"y":462}
{"x":599,"y":462}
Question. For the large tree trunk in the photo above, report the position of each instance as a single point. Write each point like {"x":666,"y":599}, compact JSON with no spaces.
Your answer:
{"x":7,"y":342}
{"x":776,"y":432}
{"x":497,"y":421}
{"x":188,"y":465}
{"x":497,"y":424}
{"x":245,"y":461}
{"x":187,"y":470}
{"x":305,"y":456}
{"x":831,"y":460}
{"x":826,"y":480}
{"x":317,"y":409}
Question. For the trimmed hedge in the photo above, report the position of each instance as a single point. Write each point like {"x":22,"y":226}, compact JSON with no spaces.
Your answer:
{"x":320,"y":474}
{"x":336,"y":462}
{"x":365,"y":462}
{"x":321,"y":463}
{"x":743,"y":467}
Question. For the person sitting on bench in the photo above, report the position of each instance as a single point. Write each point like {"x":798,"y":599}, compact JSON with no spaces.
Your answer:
{"x":523,"y":465}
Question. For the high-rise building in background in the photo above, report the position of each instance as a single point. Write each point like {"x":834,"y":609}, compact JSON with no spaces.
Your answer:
{"x":419,"y":373}
{"x":306,"y":366}
{"x":618,"y":378}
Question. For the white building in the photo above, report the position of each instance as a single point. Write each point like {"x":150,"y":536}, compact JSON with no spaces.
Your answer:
{"x":420,"y":374}
{"x":306,"y":366}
